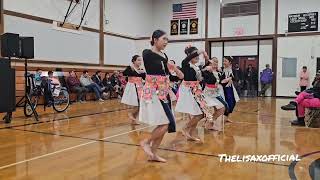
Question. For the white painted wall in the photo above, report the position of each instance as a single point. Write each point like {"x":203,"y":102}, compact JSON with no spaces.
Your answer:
{"x":54,"y":45}
{"x":129,"y":17}
{"x":265,"y":57}
{"x":301,"y":48}
{"x":287,"y":7}
{"x":118,"y":51}
{"x":241,"y":48}
{"x":55,"y":10}
{"x":162,"y":15}
{"x":214,"y":19}
{"x":175,"y":51}
{"x":267,"y":17}
{"x":249,"y":25}
{"x":216,"y":51}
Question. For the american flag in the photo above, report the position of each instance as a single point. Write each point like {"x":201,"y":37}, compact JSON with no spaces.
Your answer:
{"x":184,"y":10}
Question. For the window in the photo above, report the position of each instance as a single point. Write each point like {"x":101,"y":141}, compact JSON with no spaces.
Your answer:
{"x":240,"y":9}
{"x":289,"y":67}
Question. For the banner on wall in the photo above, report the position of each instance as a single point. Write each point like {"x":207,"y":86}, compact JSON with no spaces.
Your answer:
{"x":194,"y":26}
{"x":174,"y":27}
{"x":184,"y":26}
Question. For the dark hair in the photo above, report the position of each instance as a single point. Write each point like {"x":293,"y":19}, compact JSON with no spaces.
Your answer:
{"x":304,"y":67}
{"x":50,"y":72}
{"x":229,"y":58}
{"x":190,"y":50}
{"x":85,"y":71}
{"x":134,"y":58}
{"x":174,"y":62}
{"x":156,"y":35}
{"x":98,"y":72}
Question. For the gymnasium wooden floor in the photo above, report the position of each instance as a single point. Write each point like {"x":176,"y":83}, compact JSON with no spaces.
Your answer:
{"x":95,"y":141}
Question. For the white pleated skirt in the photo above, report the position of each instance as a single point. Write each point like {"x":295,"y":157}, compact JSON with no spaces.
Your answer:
{"x":186,"y":102}
{"x":152,"y":112}
{"x":130,"y":95}
{"x":211,"y":99}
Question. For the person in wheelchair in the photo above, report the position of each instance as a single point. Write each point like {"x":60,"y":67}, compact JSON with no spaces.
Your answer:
{"x":49,"y":85}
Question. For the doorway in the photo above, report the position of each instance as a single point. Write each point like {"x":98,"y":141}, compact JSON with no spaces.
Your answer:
{"x":247,"y":86}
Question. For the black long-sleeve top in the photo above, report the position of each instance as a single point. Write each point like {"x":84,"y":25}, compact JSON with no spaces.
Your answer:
{"x":155,"y":64}
{"x":208,"y":77}
{"x":188,"y":71}
{"x":129,"y":72}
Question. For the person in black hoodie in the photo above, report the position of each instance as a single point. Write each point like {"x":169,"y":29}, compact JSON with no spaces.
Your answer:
{"x":133,"y":89}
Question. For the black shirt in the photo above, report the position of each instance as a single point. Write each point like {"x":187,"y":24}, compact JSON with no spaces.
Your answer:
{"x":188,"y":71}
{"x":208,"y":77}
{"x":129,"y":72}
{"x":155,"y":64}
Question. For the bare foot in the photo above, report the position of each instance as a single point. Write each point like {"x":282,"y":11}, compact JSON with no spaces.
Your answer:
{"x":134,"y":122}
{"x":157,"y":158}
{"x":146,"y":148}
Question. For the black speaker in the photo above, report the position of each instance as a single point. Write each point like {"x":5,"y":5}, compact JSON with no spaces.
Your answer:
{"x":8,"y":87}
{"x":10,"y":45}
{"x":26,"y":47}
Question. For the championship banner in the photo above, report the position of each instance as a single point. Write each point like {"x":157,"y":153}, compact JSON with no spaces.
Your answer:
{"x":184,"y":26}
{"x":174,"y":27}
{"x":194,"y":26}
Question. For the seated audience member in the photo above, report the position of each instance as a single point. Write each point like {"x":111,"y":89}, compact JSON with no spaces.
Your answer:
{"x":60,"y":76}
{"x":74,"y":85}
{"x":107,"y":82}
{"x":47,"y":85}
{"x":87,"y":82}
{"x":309,"y":98}
{"x":97,"y":79}
{"x":37,"y":77}
{"x":123,"y":81}
{"x":115,"y":82}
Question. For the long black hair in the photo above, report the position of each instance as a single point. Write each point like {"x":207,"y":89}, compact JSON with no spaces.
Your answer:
{"x":156,"y":35}
{"x":134,"y":58}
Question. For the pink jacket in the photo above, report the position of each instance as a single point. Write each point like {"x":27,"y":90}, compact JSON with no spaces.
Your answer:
{"x":304,"y":79}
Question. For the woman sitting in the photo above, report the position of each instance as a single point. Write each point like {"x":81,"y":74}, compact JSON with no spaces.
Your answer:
{"x":309,"y":98}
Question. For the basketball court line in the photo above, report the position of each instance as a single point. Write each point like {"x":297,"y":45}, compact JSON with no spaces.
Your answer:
{"x":128,"y":144}
{"x":69,"y":148}
{"x":68,"y":118}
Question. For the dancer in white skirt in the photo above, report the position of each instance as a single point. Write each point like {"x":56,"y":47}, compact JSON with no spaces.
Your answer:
{"x":212,"y":96}
{"x":191,"y":100}
{"x":133,"y":90}
{"x":155,"y":103}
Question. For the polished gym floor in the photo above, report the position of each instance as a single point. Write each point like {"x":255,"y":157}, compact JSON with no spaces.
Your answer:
{"x":96,"y":141}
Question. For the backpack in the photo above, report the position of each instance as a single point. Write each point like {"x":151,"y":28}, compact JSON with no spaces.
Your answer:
{"x":266,"y":76}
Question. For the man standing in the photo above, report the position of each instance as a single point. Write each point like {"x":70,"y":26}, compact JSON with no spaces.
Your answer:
{"x":238,"y":76}
{"x":266,"y":77}
{"x":251,"y":80}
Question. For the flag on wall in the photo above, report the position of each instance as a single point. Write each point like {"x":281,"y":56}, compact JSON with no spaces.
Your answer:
{"x":184,"y":10}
